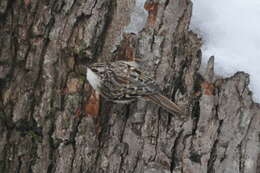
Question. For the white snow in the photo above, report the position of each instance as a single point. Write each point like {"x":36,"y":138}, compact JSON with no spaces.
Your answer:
{"x":138,"y":18}
{"x":230,"y":30}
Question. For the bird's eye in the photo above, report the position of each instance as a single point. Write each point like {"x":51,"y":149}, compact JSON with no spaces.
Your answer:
{"x":94,"y":70}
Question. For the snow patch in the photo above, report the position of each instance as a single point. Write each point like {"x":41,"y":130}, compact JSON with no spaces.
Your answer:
{"x":231,"y":32}
{"x":138,"y":18}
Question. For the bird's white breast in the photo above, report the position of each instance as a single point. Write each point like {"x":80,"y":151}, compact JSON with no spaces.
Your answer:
{"x":93,"y":79}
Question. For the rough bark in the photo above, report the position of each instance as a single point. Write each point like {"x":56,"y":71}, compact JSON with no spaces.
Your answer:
{"x":45,"y":124}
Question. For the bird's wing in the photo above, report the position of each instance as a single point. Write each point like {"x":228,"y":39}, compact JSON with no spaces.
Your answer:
{"x":132,"y":81}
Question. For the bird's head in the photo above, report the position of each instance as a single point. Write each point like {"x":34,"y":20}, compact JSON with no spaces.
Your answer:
{"x":95,"y":73}
{"x":98,"y":68}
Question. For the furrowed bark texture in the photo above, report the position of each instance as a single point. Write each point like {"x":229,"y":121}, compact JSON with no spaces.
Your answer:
{"x":46,"y":104}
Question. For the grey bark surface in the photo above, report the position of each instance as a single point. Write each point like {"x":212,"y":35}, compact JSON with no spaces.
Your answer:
{"x":44,"y":126}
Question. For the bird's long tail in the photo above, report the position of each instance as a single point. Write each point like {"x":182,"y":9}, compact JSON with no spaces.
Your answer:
{"x":166,"y":103}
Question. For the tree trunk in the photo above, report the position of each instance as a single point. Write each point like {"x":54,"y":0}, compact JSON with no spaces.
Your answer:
{"x":52,"y":121}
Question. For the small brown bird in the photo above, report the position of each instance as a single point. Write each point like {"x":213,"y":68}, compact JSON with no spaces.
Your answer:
{"x":123,"y":82}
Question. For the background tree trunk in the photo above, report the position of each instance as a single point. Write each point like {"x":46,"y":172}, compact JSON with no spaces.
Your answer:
{"x":48,"y":120}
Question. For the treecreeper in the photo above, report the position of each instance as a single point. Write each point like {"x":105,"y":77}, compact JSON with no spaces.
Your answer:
{"x":124,"y":82}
